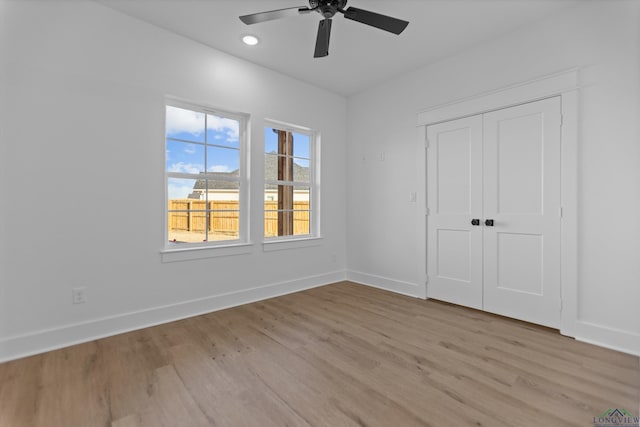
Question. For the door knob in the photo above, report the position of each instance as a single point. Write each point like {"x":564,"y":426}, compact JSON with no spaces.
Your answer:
{"x":489,"y":223}
{"x":475,"y":221}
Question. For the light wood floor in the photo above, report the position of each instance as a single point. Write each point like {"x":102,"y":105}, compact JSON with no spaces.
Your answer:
{"x":340,"y":355}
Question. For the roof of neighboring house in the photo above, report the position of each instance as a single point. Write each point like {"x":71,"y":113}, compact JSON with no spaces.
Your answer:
{"x":217,"y":180}
{"x":300,"y":173}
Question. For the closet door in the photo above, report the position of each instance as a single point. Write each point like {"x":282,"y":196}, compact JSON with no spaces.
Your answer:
{"x":454,"y":188}
{"x":522,"y":199}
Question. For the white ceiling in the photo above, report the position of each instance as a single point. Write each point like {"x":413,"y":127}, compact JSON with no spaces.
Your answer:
{"x":359,"y":56}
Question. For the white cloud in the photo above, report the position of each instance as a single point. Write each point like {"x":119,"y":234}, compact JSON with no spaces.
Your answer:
{"x":182,"y":167}
{"x":189,"y":149}
{"x":179,"y":191}
{"x":220,"y":124}
{"x":180,"y":120}
{"x":219,"y":168}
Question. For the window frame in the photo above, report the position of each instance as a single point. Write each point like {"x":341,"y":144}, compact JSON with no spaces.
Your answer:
{"x":293,"y":241}
{"x":175,"y":252}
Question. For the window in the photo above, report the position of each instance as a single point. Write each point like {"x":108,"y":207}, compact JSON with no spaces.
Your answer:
{"x":290,"y":196}
{"x":205,"y":177}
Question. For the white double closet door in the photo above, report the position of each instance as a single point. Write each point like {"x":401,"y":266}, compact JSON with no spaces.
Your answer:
{"x":493,"y":234}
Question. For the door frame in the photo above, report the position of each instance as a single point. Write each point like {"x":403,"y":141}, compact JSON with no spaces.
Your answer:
{"x":565,"y":85}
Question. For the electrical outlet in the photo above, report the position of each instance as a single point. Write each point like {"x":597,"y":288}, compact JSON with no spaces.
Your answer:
{"x":78,"y":295}
{"x":413,"y":196}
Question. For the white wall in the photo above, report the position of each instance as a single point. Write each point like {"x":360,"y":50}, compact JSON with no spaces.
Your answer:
{"x":82,"y":106}
{"x":386,"y":233}
{"x":81,"y":112}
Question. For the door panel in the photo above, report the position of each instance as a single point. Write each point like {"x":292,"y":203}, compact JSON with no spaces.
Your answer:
{"x":453,"y":148}
{"x":519,"y":158}
{"x":522,"y":196}
{"x":454,"y":257}
{"x":520,"y":263}
{"x":454,"y":187}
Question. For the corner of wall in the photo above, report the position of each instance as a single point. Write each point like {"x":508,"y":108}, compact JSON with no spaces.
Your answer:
{"x":602,"y":336}
{"x":388,"y":284}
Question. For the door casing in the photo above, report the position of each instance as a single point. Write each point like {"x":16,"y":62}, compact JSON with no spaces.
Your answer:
{"x":565,"y":85}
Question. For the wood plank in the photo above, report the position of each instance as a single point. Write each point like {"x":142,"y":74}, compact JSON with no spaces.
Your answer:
{"x":72,"y":377}
{"x":128,"y":421}
{"x":342,"y":354}
{"x":20,"y":391}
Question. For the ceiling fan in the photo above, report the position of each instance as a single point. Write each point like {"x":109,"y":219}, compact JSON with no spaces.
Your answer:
{"x":328,"y":8}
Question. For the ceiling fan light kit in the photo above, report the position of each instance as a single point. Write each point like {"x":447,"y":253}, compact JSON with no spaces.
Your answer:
{"x":328,"y":8}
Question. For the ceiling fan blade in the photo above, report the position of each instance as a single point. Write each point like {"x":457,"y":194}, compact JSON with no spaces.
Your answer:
{"x":322,"y":41}
{"x":255,"y":18}
{"x":383,"y":22}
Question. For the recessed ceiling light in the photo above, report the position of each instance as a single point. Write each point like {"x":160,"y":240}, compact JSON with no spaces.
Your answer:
{"x":250,"y":40}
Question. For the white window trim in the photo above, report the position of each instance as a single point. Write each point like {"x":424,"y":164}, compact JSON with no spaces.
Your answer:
{"x":314,"y":238}
{"x":242,"y":245}
{"x":281,"y":244}
{"x":203,"y":252}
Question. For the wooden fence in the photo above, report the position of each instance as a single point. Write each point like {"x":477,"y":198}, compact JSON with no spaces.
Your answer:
{"x":224,"y":217}
{"x":300,"y":218}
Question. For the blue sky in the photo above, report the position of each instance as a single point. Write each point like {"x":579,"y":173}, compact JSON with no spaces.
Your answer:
{"x":222,"y":156}
{"x":184,"y":157}
{"x":189,"y":158}
{"x":300,"y":143}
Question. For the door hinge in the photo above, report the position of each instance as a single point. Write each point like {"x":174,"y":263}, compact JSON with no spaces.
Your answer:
{"x":560,"y":212}
{"x":560,"y":305}
{"x":426,"y":143}
{"x":427,"y":212}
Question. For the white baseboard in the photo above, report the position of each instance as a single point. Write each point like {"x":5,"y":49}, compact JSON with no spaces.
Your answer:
{"x":392,"y":285}
{"x":54,"y":338}
{"x":602,"y":336}
{"x":63,"y":336}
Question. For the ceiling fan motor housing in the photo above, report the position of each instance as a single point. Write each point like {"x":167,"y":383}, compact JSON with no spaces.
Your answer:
{"x":327,"y":8}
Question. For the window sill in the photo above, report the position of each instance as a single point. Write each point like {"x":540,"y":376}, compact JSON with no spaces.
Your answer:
{"x":189,"y":254}
{"x":281,"y":245}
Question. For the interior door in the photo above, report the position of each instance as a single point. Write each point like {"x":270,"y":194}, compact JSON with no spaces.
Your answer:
{"x":454,"y":188}
{"x":522,"y":199}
